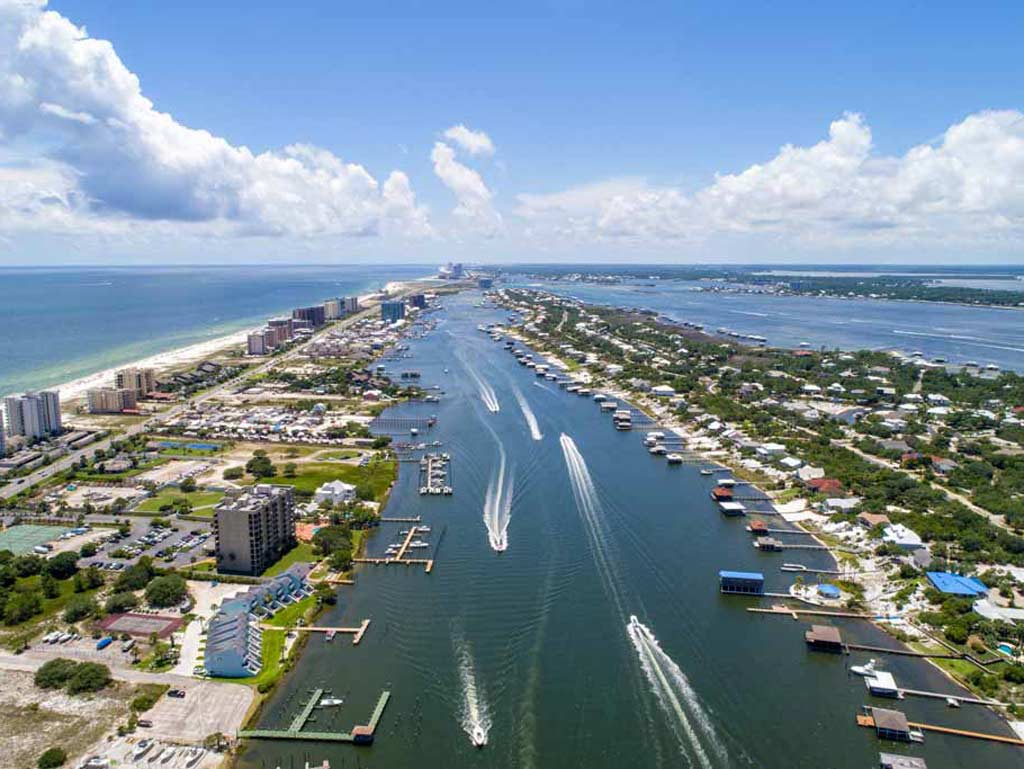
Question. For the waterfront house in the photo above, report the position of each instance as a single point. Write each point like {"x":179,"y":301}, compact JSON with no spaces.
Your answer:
{"x":824,"y":638}
{"x":870,"y":520}
{"x":825,"y":486}
{"x":899,"y":535}
{"x":891,"y":724}
{"x":741,"y":582}
{"x":335,"y":492}
{"x":955,"y":584}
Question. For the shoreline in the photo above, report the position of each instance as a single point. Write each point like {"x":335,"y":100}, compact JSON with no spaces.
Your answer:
{"x":179,"y":356}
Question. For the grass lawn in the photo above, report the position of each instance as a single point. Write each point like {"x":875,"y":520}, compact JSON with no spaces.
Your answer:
{"x":309,"y":477}
{"x":167,"y":496}
{"x":270,"y":654}
{"x":340,"y":455}
{"x":301,"y":553}
{"x":289,"y":616}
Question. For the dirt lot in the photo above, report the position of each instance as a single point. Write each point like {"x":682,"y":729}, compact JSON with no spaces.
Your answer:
{"x":207,"y":707}
{"x":101,"y":495}
{"x":32,"y":720}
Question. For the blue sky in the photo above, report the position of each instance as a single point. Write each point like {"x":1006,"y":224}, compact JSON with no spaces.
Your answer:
{"x":609,"y":123}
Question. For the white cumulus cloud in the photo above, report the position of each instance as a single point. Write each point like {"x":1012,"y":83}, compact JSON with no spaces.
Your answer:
{"x":473,"y":142}
{"x":969,"y":184}
{"x":474,"y":208}
{"x":109,"y":154}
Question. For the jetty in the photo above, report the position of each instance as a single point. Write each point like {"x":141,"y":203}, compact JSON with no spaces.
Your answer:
{"x":399,"y":557}
{"x":361,"y":734}
{"x":867,"y":720}
{"x":357,"y":633}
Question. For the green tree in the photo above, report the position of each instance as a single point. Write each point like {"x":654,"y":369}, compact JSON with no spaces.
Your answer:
{"x":52,"y":758}
{"x":49,"y":586}
{"x":119,"y":603}
{"x":79,"y":607}
{"x":62,"y":565}
{"x":54,"y":674}
{"x":168,"y":590}
{"x":89,"y":677}
{"x":187,"y":485}
{"x":22,"y":606}
{"x":89,"y":549}
{"x":260,"y":466}
{"x":233,"y":473}
{"x":289,"y":469}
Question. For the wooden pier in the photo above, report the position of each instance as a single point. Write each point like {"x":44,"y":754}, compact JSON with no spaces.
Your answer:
{"x":412,"y":519}
{"x":795,"y":613}
{"x":864,"y":719}
{"x":903,"y":652}
{"x":357,"y":633}
{"x":360,"y":735}
{"x":428,"y":563}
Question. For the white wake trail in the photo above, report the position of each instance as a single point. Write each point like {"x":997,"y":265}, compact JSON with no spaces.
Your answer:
{"x":475,"y":717}
{"x":675,"y":695}
{"x":589,"y":506}
{"x":528,"y":415}
{"x":498,"y":505}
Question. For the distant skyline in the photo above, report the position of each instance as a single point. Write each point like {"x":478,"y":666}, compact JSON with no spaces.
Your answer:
{"x":726,"y":132}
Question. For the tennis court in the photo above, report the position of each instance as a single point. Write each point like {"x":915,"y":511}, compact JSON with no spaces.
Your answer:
{"x":22,"y":538}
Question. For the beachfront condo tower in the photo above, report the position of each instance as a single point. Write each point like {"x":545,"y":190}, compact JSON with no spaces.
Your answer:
{"x":254,"y":529}
{"x":33,"y":415}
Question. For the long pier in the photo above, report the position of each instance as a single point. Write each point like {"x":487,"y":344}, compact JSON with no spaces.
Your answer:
{"x":795,"y":613}
{"x":411,"y":519}
{"x":428,"y":563}
{"x":904,"y":652}
{"x":357,"y":633}
{"x":361,"y":734}
{"x":865,"y":720}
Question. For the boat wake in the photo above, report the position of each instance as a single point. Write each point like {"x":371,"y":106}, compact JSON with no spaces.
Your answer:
{"x":498,"y":506}
{"x":688,"y":719}
{"x":487,"y":394}
{"x":476,"y":720}
{"x":528,"y":415}
{"x":589,"y":505}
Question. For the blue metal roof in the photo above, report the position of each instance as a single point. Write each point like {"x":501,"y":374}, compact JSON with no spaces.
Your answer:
{"x":741,"y":575}
{"x":955,"y":584}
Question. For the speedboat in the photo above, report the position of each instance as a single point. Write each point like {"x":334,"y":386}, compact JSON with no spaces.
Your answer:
{"x":864,"y":670}
{"x":705,"y":471}
{"x":953,"y":702}
{"x":331,"y":702}
{"x":479,"y":736}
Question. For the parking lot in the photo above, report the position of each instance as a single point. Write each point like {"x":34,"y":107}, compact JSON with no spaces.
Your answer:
{"x":207,"y":707}
{"x":168,"y":547}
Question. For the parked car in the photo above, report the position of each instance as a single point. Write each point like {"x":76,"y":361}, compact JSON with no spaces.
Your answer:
{"x":176,"y":693}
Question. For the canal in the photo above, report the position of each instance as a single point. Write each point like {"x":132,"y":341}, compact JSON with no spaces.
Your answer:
{"x":534,"y":645}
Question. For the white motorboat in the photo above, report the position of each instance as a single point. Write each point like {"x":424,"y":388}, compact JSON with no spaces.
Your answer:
{"x":167,"y":755}
{"x":953,"y":702}
{"x":675,"y":459}
{"x":864,"y":670}
{"x":705,"y":471}
{"x":193,"y":756}
{"x":479,"y":736}
{"x":330,"y":702}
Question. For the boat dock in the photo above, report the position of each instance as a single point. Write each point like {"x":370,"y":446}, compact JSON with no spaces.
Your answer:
{"x":863,"y":719}
{"x":796,"y":613}
{"x":411,"y":519}
{"x":361,"y":734}
{"x":428,"y":563}
{"x":357,"y":633}
{"x":399,"y":557}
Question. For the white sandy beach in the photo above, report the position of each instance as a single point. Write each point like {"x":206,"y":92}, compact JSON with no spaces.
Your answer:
{"x":193,"y":353}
